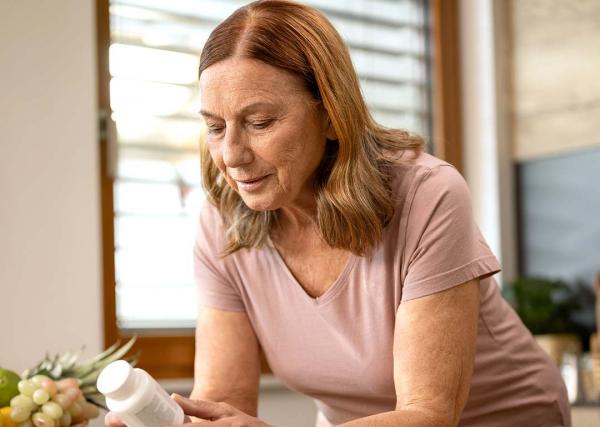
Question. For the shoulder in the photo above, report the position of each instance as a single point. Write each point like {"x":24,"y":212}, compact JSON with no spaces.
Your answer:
{"x":439,"y":176}
{"x":429,"y":179}
{"x":211,"y":229}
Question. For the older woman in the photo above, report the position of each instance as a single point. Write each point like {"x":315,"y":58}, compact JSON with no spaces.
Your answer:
{"x":345,"y":252}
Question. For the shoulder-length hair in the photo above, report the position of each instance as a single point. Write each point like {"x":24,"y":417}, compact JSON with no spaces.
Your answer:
{"x":353,"y":185}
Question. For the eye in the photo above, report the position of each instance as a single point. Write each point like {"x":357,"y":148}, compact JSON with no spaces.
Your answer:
{"x":214,"y":129}
{"x":261,"y":124}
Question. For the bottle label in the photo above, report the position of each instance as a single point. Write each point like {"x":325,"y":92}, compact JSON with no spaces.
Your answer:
{"x":158,"y":413}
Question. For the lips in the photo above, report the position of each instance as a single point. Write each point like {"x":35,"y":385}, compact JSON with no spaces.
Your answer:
{"x":251,"y":180}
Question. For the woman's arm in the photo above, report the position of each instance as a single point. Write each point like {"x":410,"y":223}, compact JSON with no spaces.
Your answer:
{"x":434,"y":352}
{"x":227,"y":363}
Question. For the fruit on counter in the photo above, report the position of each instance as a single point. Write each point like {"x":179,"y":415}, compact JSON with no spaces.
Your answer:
{"x":5,"y":417}
{"x":70,"y":378}
{"x":66,"y":407}
{"x":58,"y":391}
{"x":8,"y":386}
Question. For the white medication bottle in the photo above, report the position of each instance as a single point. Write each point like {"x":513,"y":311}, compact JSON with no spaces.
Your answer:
{"x":138,"y":399}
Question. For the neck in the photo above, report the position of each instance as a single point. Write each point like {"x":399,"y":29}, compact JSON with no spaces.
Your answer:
{"x":299,"y":216}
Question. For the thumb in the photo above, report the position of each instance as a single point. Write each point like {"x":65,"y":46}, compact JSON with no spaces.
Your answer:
{"x":202,"y":408}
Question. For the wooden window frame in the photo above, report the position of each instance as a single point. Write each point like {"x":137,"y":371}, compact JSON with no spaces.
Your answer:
{"x":171,"y":355}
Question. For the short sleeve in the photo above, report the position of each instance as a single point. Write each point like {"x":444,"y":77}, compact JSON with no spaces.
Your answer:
{"x":216,"y":289}
{"x":444,"y":247}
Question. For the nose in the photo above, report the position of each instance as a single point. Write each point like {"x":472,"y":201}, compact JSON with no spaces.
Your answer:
{"x":236,"y":151}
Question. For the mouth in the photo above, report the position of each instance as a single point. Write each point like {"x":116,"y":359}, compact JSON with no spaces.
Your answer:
{"x":251,"y":180}
{"x":252,"y":183}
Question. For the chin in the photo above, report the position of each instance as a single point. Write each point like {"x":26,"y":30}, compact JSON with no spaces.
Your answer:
{"x":260,"y":203}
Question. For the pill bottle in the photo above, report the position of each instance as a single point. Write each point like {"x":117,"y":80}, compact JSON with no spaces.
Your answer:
{"x":138,"y":399}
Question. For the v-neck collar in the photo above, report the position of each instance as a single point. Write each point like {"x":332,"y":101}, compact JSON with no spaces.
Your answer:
{"x":330,"y":293}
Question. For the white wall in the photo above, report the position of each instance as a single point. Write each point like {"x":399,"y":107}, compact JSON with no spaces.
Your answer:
{"x":50,"y":292}
{"x":486,"y":126}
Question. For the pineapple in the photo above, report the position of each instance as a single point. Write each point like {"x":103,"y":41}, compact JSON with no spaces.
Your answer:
{"x":65,"y":366}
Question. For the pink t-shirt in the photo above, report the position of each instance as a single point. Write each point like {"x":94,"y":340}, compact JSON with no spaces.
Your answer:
{"x":337,"y":348}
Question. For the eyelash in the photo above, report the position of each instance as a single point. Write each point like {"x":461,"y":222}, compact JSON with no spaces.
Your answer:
{"x":213,"y":130}
{"x":262,"y":124}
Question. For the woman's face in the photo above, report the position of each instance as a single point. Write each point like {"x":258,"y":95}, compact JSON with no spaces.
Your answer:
{"x":266,"y":133}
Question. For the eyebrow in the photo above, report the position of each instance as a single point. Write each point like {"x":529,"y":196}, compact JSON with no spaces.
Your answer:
{"x":248,"y":108}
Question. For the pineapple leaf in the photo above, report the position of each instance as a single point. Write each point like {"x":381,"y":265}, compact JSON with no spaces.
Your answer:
{"x":88,"y":389}
{"x":56,"y":372}
{"x":91,"y":372}
{"x":98,"y":400}
{"x":117,"y":354}
{"x":68,"y":359}
{"x":86,"y":365}
{"x":133,"y":360}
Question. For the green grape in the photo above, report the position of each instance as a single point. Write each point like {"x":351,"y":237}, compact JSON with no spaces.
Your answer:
{"x":37,"y":379}
{"x":40,"y":396}
{"x":19,"y":414}
{"x":53,"y":409}
{"x":42,"y":420}
{"x":28,"y":423}
{"x":62,"y":399}
{"x":65,"y":420}
{"x":26,"y":387}
{"x":73,"y":393}
{"x":50,"y":387}
{"x":76,"y":411}
{"x":23,"y":401}
{"x":90,"y":411}
{"x":67,"y":383}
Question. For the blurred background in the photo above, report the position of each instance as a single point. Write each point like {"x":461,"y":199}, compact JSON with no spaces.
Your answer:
{"x":99,"y":170}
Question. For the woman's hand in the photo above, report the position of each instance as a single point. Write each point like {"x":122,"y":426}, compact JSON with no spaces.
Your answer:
{"x":113,"y":420}
{"x":215,"y":414}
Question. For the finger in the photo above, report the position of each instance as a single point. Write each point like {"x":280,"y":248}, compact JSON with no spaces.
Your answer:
{"x":202,"y":408}
{"x":113,"y":420}
{"x":195,"y":423}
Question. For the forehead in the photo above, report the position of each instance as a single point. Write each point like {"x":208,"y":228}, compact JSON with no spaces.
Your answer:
{"x":235,"y":81}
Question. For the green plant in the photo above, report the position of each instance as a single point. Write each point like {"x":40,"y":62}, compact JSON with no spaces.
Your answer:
{"x":548,"y":306}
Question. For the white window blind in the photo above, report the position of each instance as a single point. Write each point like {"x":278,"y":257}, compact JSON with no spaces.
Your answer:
{"x":155,"y":45}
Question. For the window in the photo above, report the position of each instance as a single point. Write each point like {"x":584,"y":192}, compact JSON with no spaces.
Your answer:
{"x":151,"y":200}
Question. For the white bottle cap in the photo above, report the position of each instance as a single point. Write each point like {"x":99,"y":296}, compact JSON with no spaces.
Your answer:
{"x":117,"y":380}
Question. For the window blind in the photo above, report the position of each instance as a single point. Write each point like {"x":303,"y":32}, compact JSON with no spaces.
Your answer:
{"x":155,"y":45}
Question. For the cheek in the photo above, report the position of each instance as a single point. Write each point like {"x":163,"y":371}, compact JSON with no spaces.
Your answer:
{"x":217,"y":157}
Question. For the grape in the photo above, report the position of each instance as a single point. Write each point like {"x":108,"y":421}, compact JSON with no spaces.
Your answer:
{"x":42,"y":420}
{"x":19,"y":414}
{"x":22,"y":401}
{"x":67,"y":383}
{"x":53,"y":409}
{"x":76,"y":412}
{"x":26,"y":387}
{"x":72,"y":393}
{"x":90,"y":410}
{"x":65,"y":420}
{"x":62,"y":399}
{"x":40,"y":396}
{"x":37,"y":379}
{"x":49,"y":386}
{"x":27,"y":423}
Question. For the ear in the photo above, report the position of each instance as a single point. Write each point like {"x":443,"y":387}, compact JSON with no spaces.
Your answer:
{"x":328,"y":126}
{"x":331,"y":133}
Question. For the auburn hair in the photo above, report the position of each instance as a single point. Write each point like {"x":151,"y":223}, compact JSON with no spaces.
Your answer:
{"x":353,"y":185}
